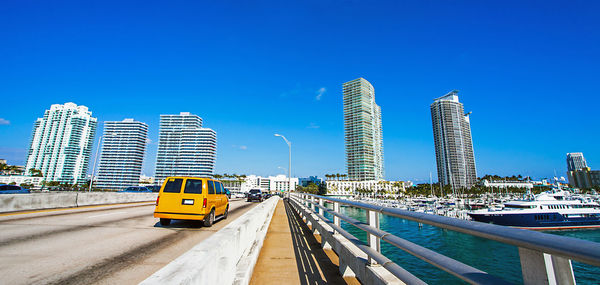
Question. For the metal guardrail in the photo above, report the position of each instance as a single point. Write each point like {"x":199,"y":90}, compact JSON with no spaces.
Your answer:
{"x":545,"y":258}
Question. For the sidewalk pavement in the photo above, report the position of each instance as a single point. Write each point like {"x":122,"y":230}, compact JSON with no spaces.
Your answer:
{"x":291,"y":254}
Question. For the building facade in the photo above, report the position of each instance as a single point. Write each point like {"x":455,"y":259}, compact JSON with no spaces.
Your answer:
{"x":271,"y":184}
{"x":584,"y":178}
{"x":453,"y":144}
{"x":363,"y":131}
{"x":311,"y":179}
{"x":185,"y":148}
{"x":373,"y":187}
{"x":123,"y":150}
{"x":61,"y":143}
{"x":507,"y":184}
{"x":575,"y":161}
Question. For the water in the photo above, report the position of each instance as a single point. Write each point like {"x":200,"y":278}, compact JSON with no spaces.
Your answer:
{"x":496,"y":258}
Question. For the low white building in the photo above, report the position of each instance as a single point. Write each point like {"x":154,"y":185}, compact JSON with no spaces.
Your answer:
{"x":373,"y":186}
{"x":272,"y":184}
{"x":20,"y":179}
{"x":506,"y":184}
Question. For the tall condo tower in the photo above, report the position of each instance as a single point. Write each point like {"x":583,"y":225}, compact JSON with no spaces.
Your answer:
{"x":363,"y":131}
{"x":185,"y":148}
{"x":575,"y":161}
{"x":61,"y":143}
{"x":122,"y":154}
{"x":453,"y":143}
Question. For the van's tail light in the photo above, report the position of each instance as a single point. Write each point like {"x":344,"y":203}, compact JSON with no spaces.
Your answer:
{"x":204,"y":203}
{"x":157,"y":200}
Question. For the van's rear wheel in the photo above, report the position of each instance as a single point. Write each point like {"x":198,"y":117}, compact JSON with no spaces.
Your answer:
{"x":210,"y":219}
{"x":165,"y":222}
{"x":226,"y":212}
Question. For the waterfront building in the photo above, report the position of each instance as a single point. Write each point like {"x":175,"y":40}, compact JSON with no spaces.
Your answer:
{"x":372,"y":187}
{"x":61,"y":143}
{"x":507,"y":184}
{"x":453,"y":143}
{"x":584,"y":178}
{"x":363,"y":131}
{"x":575,"y":161}
{"x":185,"y":148}
{"x":123,"y":149}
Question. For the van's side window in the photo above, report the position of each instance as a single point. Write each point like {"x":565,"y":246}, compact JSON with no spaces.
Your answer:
{"x":173,"y":185}
{"x":211,"y":187}
{"x":219,"y":187}
{"x":193,"y":186}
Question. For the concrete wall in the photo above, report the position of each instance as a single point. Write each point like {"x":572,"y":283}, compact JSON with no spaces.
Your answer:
{"x":39,"y":201}
{"x":227,"y":257}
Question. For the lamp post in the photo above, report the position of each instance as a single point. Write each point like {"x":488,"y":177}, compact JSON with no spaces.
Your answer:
{"x":290,"y":162}
{"x":95,"y":160}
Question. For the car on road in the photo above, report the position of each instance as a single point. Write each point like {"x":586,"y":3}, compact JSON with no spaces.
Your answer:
{"x":255,"y":194}
{"x":13,"y":189}
{"x":191,"y":198}
{"x":153,"y":188}
{"x":136,"y":189}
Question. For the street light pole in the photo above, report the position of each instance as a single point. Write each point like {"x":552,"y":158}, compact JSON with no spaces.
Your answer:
{"x":94,"y":166}
{"x":290,"y":162}
{"x":96,"y":159}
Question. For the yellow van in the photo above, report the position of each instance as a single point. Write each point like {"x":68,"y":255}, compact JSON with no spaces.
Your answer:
{"x":191,"y":198}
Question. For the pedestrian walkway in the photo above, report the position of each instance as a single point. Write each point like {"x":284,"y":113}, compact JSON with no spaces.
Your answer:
{"x":291,"y":254}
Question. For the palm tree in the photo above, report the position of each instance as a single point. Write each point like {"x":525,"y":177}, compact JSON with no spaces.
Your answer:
{"x":337,"y":175}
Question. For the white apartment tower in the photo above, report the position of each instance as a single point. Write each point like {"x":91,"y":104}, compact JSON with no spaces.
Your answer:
{"x":363,"y":132}
{"x":185,"y":148}
{"x":453,"y":143}
{"x":122,"y":155}
{"x":61,"y":143}
{"x":576,"y":161}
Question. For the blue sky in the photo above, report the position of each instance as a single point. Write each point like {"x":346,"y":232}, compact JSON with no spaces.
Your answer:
{"x":528,"y":70}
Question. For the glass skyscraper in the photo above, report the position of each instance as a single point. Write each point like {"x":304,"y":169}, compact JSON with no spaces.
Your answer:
{"x":453,"y":143}
{"x":185,"y":148}
{"x":122,"y":155}
{"x":61,"y":143}
{"x":363,"y":131}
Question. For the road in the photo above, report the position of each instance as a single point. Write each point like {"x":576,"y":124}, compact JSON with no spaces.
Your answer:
{"x":118,"y":244}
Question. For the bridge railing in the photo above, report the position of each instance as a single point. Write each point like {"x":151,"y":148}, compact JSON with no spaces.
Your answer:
{"x":545,"y":258}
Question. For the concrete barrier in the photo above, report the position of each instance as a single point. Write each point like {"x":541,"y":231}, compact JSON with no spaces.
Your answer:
{"x":227,"y":257}
{"x":52,"y":200}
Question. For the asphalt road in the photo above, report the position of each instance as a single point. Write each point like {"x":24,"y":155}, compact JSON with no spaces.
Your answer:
{"x":122,"y":244}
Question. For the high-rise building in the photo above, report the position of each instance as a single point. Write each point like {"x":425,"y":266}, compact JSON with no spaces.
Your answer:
{"x":575,"y":161}
{"x":453,"y":143}
{"x":185,"y":148}
{"x":363,"y":131}
{"x":122,"y":155}
{"x":61,"y":143}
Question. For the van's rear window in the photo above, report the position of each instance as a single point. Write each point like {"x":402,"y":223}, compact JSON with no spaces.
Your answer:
{"x":173,"y":185}
{"x":193,"y":186}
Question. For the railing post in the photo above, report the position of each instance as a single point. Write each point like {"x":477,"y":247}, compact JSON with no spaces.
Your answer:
{"x":336,"y":219}
{"x":322,"y":203}
{"x":543,"y":268}
{"x":312,"y":203}
{"x":374,"y":243}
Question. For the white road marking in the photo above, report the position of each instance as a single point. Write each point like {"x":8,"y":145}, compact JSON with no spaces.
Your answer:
{"x":95,"y":216}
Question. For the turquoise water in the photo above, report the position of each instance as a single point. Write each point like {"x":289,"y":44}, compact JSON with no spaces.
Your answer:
{"x":493,"y":257}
